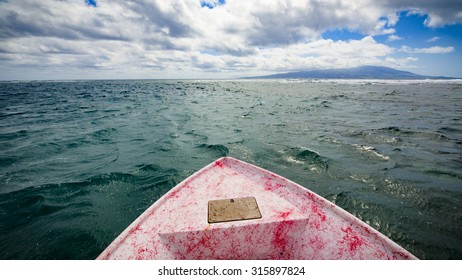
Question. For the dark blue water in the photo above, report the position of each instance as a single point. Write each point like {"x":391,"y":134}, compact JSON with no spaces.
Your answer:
{"x":80,"y":160}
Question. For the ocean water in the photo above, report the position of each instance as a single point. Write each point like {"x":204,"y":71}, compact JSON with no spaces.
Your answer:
{"x":80,"y":160}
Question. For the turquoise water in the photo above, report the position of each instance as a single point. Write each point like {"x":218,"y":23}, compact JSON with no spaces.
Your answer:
{"x":80,"y":160}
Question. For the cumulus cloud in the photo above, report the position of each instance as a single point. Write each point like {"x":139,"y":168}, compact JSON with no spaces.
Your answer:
{"x":440,"y":12}
{"x":205,"y":35}
{"x":394,"y":37}
{"x":431,"y":50}
{"x":317,"y":54}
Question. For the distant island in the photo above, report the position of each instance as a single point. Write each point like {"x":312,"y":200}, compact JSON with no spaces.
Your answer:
{"x":362,"y":72}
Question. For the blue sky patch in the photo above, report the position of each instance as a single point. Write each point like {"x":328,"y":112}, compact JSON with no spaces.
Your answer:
{"x":413,"y":32}
{"x":342,"y":34}
{"x":212,"y":3}
{"x":91,"y":3}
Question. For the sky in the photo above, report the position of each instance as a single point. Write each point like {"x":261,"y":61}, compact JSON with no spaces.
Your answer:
{"x":221,"y":39}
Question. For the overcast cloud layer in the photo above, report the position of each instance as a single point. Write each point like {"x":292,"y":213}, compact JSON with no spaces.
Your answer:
{"x":190,"y":39}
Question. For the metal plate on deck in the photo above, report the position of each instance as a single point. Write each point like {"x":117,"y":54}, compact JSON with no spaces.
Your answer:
{"x":235,"y":209}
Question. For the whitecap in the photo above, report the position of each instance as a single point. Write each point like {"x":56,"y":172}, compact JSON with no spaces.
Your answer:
{"x":371,"y":150}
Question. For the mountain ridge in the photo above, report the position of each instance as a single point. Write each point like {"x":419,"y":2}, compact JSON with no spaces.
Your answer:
{"x":361,"y":72}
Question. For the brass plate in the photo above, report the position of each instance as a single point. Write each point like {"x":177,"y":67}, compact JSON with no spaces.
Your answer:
{"x":235,"y":209}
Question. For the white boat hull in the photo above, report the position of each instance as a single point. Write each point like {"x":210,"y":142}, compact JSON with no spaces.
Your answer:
{"x":295,"y":223}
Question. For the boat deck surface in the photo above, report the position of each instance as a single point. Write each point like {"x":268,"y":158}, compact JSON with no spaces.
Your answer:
{"x":295,"y":223}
